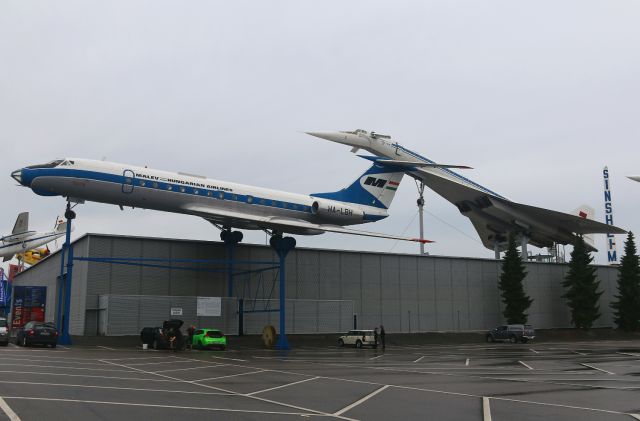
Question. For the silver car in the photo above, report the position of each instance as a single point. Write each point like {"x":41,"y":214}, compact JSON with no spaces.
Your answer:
{"x":512,"y":333}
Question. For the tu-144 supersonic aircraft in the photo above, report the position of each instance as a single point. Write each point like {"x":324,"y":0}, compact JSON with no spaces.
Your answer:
{"x":493,"y":216}
{"x":226,"y":205}
{"x":21,"y":239}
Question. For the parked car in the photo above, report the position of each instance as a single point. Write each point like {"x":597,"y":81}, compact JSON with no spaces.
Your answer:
{"x":161,"y":337}
{"x":511,"y":333}
{"x":209,"y":338}
{"x":4,"y":332}
{"x":359,"y":338}
{"x":37,"y":333}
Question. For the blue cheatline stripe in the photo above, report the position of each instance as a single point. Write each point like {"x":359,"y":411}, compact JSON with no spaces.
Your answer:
{"x":137,"y":183}
{"x":448,"y":171}
{"x":28,"y":240}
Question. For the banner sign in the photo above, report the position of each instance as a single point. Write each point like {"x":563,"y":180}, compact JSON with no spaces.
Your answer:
{"x":209,"y":307}
{"x":612,"y":254}
{"x":28,"y":305}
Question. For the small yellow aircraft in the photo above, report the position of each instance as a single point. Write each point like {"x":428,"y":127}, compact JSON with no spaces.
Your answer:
{"x":33,"y":256}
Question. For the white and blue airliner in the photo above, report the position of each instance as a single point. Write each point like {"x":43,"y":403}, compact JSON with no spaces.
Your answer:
{"x":224,"y":204}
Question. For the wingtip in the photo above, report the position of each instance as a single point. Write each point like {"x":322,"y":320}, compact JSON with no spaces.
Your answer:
{"x":422,"y":240}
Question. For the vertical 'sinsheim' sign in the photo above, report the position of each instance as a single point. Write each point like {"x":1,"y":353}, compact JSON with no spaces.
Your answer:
{"x":612,"y":255}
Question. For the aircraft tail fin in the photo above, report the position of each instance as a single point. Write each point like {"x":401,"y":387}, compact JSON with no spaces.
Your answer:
{"x":375,"y":187}
{"x":22,"y":223}
{"x":587,"y":212}
{"x":61,"y":226}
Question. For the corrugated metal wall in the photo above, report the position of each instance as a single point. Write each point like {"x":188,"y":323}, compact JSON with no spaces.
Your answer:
{"x":405,"y":293}
{"x":121,"y":315}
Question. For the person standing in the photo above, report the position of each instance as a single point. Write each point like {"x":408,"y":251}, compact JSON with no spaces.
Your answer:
{"x":190,"y":332}
{"x":382,"y":336}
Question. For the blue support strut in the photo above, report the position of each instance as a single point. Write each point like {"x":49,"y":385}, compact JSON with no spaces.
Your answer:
{"x":283,"y":245}
{"x":65,"y":338}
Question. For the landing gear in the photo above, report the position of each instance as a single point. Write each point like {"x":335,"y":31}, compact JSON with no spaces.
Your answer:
{"x":231,"y":237}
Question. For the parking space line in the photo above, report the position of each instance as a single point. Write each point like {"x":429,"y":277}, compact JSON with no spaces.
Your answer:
{"x":361,"y":401}
{"x":419,"y":359}
{"x":156,"y":363}
{"x":69,"y":368}
{"x":636,"y":416}
{"x":8,"y":411}
{"x":138,"y":358}
{"x":486,"y":409}
{"x":628,"y":354}
{"x":12,"y":345}
{"x":534,"y":351}
{"x":150,"y":405}
{"x":190,"y":368}
{"x":526,"y":365}
{"x":283,"y":386}
{"x":579,"y":353}
{"x":596,"y":368}
{"x":83,"y":375}
{"x":105,"y":347}
{"x":230,"y":359}
{"x":313,"y":411}
{"x":225,"y":377}
{"x":136,"y":389}
{"x":375,"y":358}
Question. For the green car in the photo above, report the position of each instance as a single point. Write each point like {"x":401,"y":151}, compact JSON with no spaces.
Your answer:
{"x":209,"y":338}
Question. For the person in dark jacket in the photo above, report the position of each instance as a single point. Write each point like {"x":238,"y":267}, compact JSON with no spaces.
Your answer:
{"x":190,"y":331}
{"x":382,"y":336}
{"x":375,"y":337}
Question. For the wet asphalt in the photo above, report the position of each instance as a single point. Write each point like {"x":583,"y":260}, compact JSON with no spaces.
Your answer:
{"x":489,"y":382}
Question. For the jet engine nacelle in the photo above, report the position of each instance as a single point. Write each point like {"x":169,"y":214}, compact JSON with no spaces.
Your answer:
{"x":336,"y":212}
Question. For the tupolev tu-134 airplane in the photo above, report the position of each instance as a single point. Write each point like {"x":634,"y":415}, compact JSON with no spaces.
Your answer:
{"x":493,"y":216}
{"x":226,"y":205}
{"x":21,"y":239}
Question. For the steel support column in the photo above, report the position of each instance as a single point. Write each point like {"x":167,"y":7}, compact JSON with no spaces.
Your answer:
{"x":66,"y":279}
{"x":282,"y":246}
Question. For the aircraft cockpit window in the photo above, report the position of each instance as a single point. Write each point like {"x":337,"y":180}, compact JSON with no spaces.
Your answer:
{"x":66,"y":162}
{"x":51,"y":164}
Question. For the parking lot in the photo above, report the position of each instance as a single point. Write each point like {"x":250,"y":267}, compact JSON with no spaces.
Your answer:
{"x":500,"y":382}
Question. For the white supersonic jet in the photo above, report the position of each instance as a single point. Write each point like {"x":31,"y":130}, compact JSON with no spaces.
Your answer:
{"x":21,"y":239}
{"x":224,"y":204}
{"x":493,"y":216}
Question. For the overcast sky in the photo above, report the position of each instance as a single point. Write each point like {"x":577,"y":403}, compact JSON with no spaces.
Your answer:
{"x":536,"y":96}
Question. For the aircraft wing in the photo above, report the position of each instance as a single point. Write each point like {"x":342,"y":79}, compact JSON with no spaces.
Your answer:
{"x":281,"y":224}
{"x":22,"y":223}
{"x":494,"y":217}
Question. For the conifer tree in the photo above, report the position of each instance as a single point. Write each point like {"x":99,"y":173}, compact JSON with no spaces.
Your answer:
{"x":581,"y":285}
{"x":516,"y":302}
{"x":627,"y":308}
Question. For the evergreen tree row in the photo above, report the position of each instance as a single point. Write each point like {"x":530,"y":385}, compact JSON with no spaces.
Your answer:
{"x":581,"y":285}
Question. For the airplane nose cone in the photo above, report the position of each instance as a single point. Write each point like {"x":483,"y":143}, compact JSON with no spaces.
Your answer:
{"x":332,"y":136}
{"x":341,"y":137}
{"x":17,"y":175}
{"x":634,"y":177}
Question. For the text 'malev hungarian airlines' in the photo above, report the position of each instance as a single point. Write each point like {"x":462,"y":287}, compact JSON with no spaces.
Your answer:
{"x":224,"y":204}
{"x":493,"y":216}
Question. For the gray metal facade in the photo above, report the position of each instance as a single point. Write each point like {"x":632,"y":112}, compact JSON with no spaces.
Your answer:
{"x":405,"y":293}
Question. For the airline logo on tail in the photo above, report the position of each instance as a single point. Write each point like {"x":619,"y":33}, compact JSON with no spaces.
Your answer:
{"x":382,"y":186}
